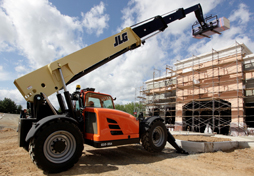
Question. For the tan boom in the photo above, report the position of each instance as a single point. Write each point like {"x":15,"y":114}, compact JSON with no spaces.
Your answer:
{"x":47,"y":79}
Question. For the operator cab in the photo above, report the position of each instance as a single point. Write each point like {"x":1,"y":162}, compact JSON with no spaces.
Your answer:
{"x":88,"y":98}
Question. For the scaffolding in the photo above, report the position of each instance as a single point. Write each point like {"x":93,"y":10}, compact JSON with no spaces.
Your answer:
{"x":248,"y":69}
{"x":160,"y":95}
{"x":205,"y":90}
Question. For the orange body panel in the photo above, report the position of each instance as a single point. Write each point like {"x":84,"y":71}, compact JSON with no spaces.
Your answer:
{"x":127,"y":123}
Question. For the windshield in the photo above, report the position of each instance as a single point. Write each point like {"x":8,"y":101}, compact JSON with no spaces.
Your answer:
{"x":98,"y":101}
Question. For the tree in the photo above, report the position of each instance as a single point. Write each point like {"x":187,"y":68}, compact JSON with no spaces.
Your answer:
{"x":120,"y":107}
{"x":1,"y":106}
{"x":19,"y":109}
{"x":9,"y":106}
{"x":130,"y":107}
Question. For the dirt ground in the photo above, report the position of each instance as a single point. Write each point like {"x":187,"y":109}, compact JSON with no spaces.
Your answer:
{"x":128,"y":160}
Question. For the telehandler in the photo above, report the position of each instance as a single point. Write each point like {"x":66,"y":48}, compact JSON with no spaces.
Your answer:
{"x":55,"y":140}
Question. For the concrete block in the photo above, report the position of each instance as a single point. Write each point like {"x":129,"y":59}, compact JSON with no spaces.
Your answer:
{"x":246,"y":144}
{"x":203,"y":147}
{"x":191,"y":147}
{"x":222,"y":146}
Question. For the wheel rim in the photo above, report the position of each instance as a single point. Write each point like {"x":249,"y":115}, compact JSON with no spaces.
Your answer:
{"x":59,"y":146}
{"x":158,"y":136}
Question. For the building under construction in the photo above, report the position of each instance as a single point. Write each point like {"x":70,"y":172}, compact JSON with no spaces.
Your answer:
{"x":213,"y":90}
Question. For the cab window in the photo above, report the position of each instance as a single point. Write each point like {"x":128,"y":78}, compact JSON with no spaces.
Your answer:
{"x":108,"y":104}
{"x":77,"y":106}
{"x":98,"y":101}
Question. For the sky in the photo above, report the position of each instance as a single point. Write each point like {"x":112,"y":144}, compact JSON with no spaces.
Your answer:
{"x":35,"y":33}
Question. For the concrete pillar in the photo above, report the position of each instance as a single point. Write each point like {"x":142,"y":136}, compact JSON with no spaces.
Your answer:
{"x":237,"y":125}
{"x":179,"y":117}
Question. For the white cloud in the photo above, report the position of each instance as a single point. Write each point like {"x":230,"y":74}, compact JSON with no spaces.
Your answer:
{"x":95,"y":19}
{"x":242,"y":14}
{"x":4,"y":75}
{"x":20,"y":68}
{"x":42,"y":33}
{"x":7,"y":32}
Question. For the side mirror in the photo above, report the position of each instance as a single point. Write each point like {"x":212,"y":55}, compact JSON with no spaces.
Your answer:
{"x":114,"y":99}
{"x":82,"y":109}
{"x":140,"y":116}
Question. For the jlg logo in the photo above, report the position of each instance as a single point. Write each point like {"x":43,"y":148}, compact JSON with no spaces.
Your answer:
{"x":119,"y":40}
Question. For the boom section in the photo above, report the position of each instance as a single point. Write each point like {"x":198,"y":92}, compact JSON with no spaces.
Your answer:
{"x":47,"y":79}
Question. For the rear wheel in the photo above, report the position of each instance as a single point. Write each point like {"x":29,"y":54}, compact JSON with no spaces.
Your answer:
{"x":154,"y":139}
{"x":57,"y":146}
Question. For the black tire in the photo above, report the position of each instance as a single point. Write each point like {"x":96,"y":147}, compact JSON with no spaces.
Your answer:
{"x":57,"y":146}
{"x":155,"y":138}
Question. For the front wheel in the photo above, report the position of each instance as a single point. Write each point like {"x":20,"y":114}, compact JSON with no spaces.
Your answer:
{"x":155,"y":138}
{"x":57,"y":146}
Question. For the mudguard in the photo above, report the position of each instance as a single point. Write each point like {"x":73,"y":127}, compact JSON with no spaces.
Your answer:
{"x":144,"y":125}
{"x":36,"y":126}
{"x":24,"y":126}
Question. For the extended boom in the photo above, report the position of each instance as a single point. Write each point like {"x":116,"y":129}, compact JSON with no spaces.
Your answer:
{"x":47,"y":79}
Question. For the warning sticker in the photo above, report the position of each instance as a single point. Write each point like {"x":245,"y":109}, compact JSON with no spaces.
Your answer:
{"x":29,"y":87}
